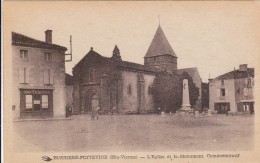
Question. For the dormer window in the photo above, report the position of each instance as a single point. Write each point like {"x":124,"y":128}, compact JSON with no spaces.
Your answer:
{"x":24,"y":55}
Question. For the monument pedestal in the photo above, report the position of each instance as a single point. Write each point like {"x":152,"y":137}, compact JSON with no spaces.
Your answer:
{"x":185,"y":108}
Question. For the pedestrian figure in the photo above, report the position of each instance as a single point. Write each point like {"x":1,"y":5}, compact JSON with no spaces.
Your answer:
{"x":68,"y":111}
{"x":113,"y":110}
{"x":94,"y":113}
{"x":159,"y":110}
{"x":226,"y":112}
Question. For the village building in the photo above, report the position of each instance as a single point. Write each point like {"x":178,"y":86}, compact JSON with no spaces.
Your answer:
{"x":233,"y":91}
{"x":38,"y":73}
{"x":69,"y":90}
{"x":121,"y":86}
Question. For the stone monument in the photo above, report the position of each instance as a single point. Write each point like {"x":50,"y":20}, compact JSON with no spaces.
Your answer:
{"x":185,"y":108}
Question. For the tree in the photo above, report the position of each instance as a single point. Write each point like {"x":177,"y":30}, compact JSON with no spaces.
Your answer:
{"x":205,"y":95}
{"x":167,"y":90}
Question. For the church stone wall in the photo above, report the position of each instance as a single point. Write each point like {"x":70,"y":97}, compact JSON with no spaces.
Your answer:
{"x":149,"y":104}
{"x":162,"y":62}
{"x":130,"y":100}
{"x":103,"y":73}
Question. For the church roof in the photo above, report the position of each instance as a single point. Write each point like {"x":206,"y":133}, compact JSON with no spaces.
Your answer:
{"x":22,"y":40}
{"x":159,"y":45}
{"x":135,"y":66}
{"x":191,"y":71}
{"x":120,"y":63}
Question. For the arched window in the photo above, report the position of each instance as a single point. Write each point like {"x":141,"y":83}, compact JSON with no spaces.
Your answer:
{"x":150,"y":90}
{"x":129,"y":89}
{"x":91,"y":75}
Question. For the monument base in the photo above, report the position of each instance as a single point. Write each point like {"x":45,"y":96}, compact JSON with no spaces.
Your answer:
{"x":185,"y":110}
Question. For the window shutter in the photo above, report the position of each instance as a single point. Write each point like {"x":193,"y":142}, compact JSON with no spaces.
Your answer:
{"x":21,"y":75}
{"x":245,"y":91}
{"x":45,"y":56}
{"x":226,"y":92}
{"x":46,"y":76}
{"x":252,"y":81}
{"x":246,"y":81}
{"x":218,"y":92}
{"x":27,"y":75}
{"x":250,"y":91}
{"x":51,"y":76}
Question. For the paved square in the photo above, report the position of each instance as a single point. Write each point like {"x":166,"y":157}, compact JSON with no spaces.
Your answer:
{"x":136,"y":133}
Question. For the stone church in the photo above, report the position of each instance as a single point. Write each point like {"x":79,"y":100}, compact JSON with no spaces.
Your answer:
{"x":113,"y":83}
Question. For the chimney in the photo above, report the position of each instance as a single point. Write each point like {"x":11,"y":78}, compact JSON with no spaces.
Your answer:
{"x":243,"y":67}
{"x":48,"y":36}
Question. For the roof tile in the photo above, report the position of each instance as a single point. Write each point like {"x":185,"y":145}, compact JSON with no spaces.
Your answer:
{"x":22,"y":40}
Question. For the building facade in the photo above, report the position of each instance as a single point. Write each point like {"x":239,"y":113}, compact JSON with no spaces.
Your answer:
{"x":233,"y":91}
{"x":38,"y":77}
{"x":113,"y":83}
{"x":69,"y":90}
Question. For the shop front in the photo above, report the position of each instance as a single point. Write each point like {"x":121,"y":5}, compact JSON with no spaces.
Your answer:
{"x":35,"y":103}
{"x":246,"y":106}
{"x":222,"y":107}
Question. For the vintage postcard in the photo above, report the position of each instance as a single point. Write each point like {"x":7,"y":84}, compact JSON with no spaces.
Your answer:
{"x":151,"y":81}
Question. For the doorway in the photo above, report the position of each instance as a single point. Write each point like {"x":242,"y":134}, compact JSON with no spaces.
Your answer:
{"x":222,"y":107}
{"x":94,"y":101}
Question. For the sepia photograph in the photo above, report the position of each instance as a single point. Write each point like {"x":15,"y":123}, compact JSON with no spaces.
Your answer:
{"x":159,"y":81}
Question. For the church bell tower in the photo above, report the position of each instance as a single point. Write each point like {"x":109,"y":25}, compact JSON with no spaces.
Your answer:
{"x":160,"y":53}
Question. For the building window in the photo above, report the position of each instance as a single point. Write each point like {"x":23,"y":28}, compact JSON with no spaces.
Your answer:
{"x":28,"y":103}
{"x":248,"y":92}
{"x":222,"y":92}
{"x":48,"y":76}
{"x":238,"y":91}
{"x":150,"y":59}
{"x":170,"y":58}
{"x":45,"y":102}
{"x":24,"y":55}
{"x":129,"y":89}
{"x":24,"y":75}
{"x":47,"y":56}
{"x":91,"y":75}
{"x":150,"y":90}
{"x":222,"y":82}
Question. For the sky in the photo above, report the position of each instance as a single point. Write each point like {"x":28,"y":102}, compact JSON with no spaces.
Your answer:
{"x":215,"y":37}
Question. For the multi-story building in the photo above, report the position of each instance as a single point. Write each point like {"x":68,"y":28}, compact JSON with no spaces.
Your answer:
{"x":69,"y":90}
{"x":38,"y":77}
{"x":232,"y":91}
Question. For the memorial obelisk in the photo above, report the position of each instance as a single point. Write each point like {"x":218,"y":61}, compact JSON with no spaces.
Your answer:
{"x":185,"y":97}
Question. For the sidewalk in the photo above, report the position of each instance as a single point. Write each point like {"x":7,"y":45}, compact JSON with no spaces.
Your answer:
{"x":41,"y":119}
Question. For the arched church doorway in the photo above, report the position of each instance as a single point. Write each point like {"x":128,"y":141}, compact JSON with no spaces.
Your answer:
{"x":94,"y":101}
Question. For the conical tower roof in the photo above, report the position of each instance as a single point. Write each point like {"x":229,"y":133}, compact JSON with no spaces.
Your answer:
{"x":159,"y":45}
